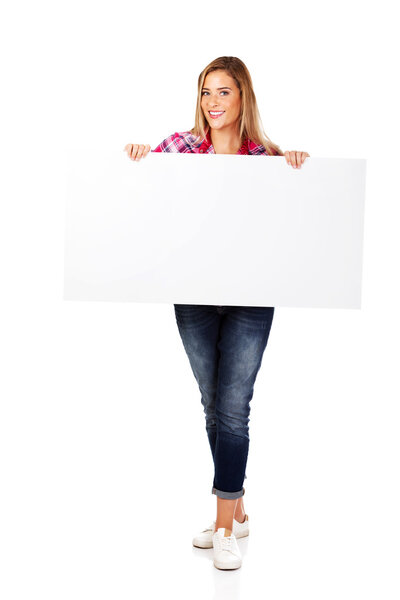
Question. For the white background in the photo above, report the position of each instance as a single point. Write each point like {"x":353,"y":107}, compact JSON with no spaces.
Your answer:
{"x":105,"y":468}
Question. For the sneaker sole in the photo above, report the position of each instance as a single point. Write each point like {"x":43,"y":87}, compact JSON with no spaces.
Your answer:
{"x":224,"y":567}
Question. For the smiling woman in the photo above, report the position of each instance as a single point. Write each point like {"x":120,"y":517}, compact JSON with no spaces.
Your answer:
{"x":227,"y":119}
{"x":227,"y":107}
{"x":224,"y":344}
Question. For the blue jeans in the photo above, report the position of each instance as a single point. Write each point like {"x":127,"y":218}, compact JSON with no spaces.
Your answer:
{"x":225,"y":345}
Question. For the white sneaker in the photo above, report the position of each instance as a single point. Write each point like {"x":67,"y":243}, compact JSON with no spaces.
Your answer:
{"x":204,"y":539}
{"x":226,"y":550}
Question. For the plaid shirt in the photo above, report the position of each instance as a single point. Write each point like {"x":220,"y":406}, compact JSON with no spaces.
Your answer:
{"x":186,"y":142}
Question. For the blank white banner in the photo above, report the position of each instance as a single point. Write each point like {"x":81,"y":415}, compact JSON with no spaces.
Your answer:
{"x":217,"y":229}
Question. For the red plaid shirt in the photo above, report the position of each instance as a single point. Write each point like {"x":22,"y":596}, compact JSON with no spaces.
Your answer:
{"x":186,"y":142}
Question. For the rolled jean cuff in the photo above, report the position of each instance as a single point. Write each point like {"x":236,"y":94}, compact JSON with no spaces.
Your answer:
{"x":227,"y":495}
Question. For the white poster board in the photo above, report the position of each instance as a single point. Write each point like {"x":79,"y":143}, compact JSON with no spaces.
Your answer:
{"x":214,"y":229}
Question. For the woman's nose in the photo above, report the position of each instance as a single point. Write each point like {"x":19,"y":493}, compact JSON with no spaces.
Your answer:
{"x":213,"y":100}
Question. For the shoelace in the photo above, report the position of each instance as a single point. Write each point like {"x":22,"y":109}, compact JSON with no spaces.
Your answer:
{"x":226,"y":543}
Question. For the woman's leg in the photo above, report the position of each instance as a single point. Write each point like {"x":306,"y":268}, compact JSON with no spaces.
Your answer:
{"x":199,"y":327}
{"x":225,"y":513}
{"x":244,"y":335}
{"x":240,"y":512}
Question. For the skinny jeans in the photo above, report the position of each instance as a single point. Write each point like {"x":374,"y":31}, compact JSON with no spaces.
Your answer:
{"x":225,"y":346}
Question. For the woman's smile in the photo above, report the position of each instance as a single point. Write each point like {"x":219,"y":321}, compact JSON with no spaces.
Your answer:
{"x":216,"y":114}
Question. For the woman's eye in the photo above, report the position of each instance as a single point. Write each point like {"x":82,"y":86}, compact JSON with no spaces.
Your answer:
{"x":223,"y":92}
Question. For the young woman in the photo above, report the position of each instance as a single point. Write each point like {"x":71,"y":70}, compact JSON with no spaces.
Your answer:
{"x":224,"y":344}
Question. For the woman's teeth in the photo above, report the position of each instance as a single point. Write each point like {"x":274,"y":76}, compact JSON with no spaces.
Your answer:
{"x":215,"y":115}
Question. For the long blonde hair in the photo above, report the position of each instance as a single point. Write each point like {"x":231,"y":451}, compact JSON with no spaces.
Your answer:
{"x":250,"y":121}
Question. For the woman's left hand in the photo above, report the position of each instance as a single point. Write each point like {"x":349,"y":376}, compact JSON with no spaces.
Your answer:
{"x":295,"y":158}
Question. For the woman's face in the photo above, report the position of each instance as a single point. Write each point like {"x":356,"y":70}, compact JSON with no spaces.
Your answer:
{"x":220,"y":95}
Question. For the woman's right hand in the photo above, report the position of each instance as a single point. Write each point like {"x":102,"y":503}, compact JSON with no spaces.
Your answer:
{"x":137,"y":151}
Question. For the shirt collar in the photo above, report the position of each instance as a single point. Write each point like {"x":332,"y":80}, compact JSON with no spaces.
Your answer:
{"x":206,"y":143}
